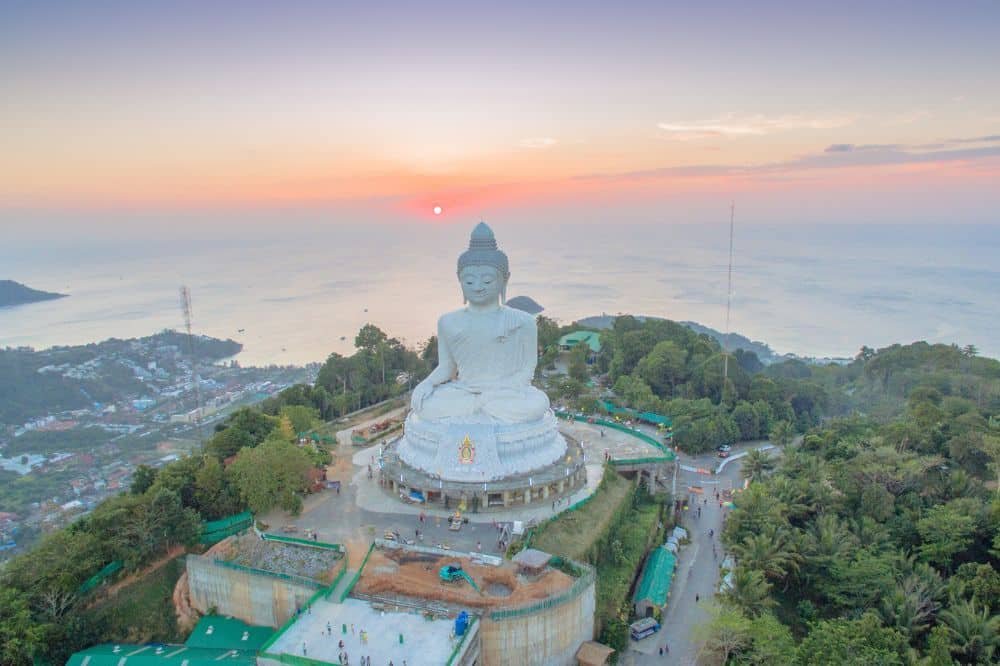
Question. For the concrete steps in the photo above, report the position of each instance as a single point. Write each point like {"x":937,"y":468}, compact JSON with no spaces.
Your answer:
{"x":342,"y":585}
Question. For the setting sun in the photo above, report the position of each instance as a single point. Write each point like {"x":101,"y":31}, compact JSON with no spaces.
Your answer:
{"x":437,"y":210}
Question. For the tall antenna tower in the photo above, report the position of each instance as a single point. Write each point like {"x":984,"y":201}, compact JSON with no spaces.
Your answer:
{"x":729,"y":296}
{"x":186,"y":308}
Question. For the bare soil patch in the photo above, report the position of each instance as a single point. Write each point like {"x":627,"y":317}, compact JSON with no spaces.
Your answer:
{"x":416,"y":575}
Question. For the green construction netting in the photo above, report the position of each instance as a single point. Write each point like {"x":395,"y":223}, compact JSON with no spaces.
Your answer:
{"x":654,"y":586}
{"x":217,"y":530}
{"x":98,"y":577}
{"x":227,"y":633}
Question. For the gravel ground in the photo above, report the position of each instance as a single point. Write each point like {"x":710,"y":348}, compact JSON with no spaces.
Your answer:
{"x":250,"y":551}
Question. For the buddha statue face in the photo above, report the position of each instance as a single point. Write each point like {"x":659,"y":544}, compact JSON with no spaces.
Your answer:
{"x":481,"y":285}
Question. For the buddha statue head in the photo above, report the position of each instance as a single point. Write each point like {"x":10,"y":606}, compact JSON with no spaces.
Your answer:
{"x":483,"y":270}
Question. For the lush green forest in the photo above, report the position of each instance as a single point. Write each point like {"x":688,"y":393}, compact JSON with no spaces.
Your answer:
{"x":381,"y":368}
{"x":877,"y":540}
{"x":665,"y":367}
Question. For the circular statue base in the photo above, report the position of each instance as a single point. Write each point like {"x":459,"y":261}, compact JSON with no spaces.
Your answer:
{"x":545,"y":484}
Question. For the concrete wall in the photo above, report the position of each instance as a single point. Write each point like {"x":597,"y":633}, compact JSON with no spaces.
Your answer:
{"x":254,"y":598}
{"x":548,"y":636}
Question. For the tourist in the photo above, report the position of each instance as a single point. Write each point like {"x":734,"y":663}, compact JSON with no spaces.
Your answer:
{"x":303,"y":648}
{"x":329,"y":629}
{"x":341,"y":644}
{"x":479,"y":546}
{"x":352,"y":628}
{"x":697,"y":598}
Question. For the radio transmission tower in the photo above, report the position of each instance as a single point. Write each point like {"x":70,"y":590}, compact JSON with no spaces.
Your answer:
{"x":186,"y":308}
{"x":729,"y":296}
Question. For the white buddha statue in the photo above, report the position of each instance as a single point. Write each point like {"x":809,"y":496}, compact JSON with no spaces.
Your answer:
{"x":487,"y":352}
{"x":477,"y":417}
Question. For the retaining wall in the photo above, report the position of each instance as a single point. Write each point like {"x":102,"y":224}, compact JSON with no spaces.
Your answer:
{"x":255,"y":598}
{"x":549,"y":632}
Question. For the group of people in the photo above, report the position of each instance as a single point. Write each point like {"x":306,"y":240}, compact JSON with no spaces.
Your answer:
{"x":503,"y":535}
{"x":342,"y":655}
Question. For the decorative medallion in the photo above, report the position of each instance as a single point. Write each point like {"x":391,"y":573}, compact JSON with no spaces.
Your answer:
{"x":467,"y":451}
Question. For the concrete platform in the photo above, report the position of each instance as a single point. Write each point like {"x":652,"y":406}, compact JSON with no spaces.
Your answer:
{"x":425,"y":641}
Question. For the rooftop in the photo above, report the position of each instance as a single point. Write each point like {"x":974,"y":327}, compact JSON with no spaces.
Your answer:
{"x":390,"y":635}
{"x":216,"y":631}
{"x":157,"y":654}
{"x":532,"y":558}
{"x":657,"y":576}
{"x":592,"y":338}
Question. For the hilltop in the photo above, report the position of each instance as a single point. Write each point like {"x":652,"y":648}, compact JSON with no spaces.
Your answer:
{"x":15,"y":293}
{"x":730,"y":343}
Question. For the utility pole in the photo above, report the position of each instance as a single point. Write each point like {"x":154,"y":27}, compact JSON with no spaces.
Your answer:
{"x":729,"y":298}
{"x":186,"y":308}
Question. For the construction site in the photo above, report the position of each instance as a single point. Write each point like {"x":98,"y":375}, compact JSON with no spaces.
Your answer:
{"x":261,"y":579}
{"x":430,"y":606}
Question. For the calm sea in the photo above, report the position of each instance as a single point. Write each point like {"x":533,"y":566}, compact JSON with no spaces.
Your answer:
{"x":296,"y":295}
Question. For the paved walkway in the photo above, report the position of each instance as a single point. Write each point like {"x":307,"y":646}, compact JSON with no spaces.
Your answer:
{"x":697,"y":577}
{"x":363,"y":510}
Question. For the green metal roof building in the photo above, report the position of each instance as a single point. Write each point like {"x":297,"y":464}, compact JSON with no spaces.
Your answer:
{"x":591,"y":338}
{"x":228,"y":633}
{"x":654,"y":586}
{"x":154,"y":654}
{"x":215,"y":640}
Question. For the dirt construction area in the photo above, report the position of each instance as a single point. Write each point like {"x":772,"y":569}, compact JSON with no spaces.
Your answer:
{"x":411,"y":574}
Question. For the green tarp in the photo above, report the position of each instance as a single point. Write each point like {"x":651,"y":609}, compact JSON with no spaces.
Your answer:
{"x":658,"y":574}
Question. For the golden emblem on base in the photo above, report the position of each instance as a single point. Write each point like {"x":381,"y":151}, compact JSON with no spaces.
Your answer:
{"x":466,"y":451}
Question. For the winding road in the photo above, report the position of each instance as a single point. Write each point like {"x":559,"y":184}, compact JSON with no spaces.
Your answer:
{"x":697,"y":575}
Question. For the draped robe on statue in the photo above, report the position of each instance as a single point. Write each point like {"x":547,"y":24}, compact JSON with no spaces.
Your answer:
{"x":492,"y":357}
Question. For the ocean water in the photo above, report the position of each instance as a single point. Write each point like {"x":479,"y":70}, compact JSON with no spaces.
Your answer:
{"x":296,"y":291}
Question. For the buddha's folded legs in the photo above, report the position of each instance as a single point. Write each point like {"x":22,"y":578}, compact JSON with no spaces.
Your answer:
{"x":525,"y":405}
{"x":448,"y":402}
{"x":504,"y":405}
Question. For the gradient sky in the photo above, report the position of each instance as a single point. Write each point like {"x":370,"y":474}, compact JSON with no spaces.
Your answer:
{"x":889,"y":111}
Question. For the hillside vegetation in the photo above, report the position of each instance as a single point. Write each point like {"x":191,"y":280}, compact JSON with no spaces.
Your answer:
{"x":877,"y":541}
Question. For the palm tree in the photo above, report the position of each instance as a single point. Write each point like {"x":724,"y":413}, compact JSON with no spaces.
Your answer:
{"x":772,"y":553}
{"x":915,"y":601}
{"x":826,"y":542}
{"x":782,"y":434}
{"x":755,"y":464}
{"x":750,"y":592}
{"x":974,"y":635}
